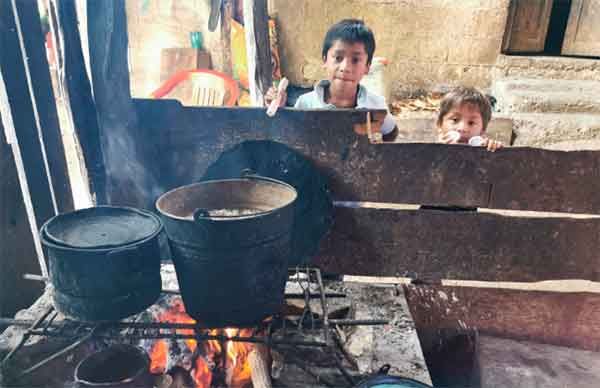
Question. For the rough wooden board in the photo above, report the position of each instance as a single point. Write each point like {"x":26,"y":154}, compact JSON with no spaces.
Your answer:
{"x":79,"y":94}
{"x":22,"y":110}
{"x":258,"y":49}
{"x":509,"y":363}
{"x":435,"y":245}
{"x":128,"y":158}
{"x":45,"y":104}
{"x":435,"y":174}
{"x":562,"y":319}
{"x":424,"y":130}
{"x":17,"y":251}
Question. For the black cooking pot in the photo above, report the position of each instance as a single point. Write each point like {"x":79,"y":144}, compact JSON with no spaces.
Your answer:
{"x":104,"y":262}
{"x":230,"y":243}
{"x":118,"y":366}
{"x":382,"y":380}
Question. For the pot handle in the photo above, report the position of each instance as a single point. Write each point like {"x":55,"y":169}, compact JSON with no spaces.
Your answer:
{"x":251,"y":174}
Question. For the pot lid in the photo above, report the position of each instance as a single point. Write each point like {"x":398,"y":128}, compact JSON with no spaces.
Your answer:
{"x":101,"y":227}
{"x":313,"y":211}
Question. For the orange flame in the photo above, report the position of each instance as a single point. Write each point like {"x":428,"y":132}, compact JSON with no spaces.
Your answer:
{"x":238,"y":371}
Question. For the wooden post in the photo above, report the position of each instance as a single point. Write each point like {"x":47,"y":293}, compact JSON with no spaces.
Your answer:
{"x":43,"y":101}
{"x":23,"y":211}
{"x":258,"y":49}
{"x":75,"y":85}
{"x":23,"y":111}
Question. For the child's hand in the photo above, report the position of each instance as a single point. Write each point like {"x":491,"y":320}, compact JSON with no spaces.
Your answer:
{"x":448,"y":138}
{"x":272,"y":95}
{"x":492,"y":145}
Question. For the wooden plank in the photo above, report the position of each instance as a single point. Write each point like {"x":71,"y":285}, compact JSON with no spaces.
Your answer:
{"x":569,"y":319}
{"x":509,"y":363}
{"x":190,"y":138}
{"x":582,"y":36}
{"x":22,"y":110}
{"x":258,"y":49}
{"x":17,"y":250}
{"x":76,"y":86}
{"x":434,"y":244}
{"x":44,"y":103}
{"x":128,"y":158}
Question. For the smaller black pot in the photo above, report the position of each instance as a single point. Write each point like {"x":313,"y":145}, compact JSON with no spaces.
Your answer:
{"x":382,"y":379}
{"x":118,"y":366}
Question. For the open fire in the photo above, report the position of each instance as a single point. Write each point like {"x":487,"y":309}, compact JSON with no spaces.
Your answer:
{"x":212,"y":363}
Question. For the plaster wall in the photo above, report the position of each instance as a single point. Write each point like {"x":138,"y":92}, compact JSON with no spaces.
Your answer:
{"x":428,"y":42}
{"x":156,"y":24}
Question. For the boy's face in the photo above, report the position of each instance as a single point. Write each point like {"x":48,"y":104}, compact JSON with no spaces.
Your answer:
{"x":346,"y":64}
{"x":465,"y":119}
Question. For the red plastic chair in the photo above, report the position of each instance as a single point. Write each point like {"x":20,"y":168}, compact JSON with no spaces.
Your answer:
{"x":209,"y":87}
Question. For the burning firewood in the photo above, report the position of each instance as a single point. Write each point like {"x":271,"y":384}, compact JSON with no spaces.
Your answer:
{"x":259,"y":365}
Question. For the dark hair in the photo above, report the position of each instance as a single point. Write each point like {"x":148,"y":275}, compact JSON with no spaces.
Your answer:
{"x":464,"y":95}
{"x":351,"y":31}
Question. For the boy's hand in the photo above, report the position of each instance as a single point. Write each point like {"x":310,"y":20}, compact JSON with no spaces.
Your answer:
{"x":272,"y":95}
{"x":492,"y":145}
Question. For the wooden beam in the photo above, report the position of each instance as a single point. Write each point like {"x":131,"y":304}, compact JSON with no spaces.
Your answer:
{"x":435,"y":245}
{"x":191,"y":138}
{"x":23,"y":112}
{"x":128,"y":158}
{"x":565,"y":319}
{"x":258,"y":49}
{"x":76,"y":86}
{"x":44,"y":103}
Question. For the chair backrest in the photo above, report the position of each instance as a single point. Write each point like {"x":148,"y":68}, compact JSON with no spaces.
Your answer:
{"x":209,"y":87}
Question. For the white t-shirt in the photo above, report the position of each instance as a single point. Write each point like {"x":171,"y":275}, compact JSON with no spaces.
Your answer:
{"x":364,"y":100}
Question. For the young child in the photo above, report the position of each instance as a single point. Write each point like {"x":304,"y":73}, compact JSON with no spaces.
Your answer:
{"x":347,"y":53}
{"x":463,"y":118}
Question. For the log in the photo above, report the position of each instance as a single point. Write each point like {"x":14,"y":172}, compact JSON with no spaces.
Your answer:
{"x":435,"y":244}
{"x":570,"y":319}
{"x":259,"y":366}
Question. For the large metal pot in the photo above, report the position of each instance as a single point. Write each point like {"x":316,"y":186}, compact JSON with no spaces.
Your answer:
{"x":104,"y":262}
{"x":230,"y":243}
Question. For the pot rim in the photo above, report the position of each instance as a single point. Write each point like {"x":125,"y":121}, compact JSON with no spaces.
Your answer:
{"x":46,"y":239}
{"x":139,"y":351}
{"x":272,"y":181}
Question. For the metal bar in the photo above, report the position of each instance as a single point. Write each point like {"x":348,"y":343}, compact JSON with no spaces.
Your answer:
{"x":27,"y":334}
{"x":315,"y":296}
{"x":358,"y":322}
{"x":324,"y":302}
{"x":56,"y":355}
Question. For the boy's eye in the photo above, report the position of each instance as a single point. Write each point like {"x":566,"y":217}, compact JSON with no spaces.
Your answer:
{"x":471,"y":122}
{"x":355,"y":60}
{"x":339,"y":58}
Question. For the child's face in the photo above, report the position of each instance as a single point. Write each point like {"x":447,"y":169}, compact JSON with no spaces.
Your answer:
{"x":346,"y":64}
{"x":465,"y":119}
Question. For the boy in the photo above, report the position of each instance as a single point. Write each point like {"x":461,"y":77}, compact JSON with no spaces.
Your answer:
{"x":347,"y":53}
{"x":463,"y":118}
